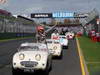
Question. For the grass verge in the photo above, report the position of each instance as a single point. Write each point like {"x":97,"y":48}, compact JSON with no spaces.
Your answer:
{"x":91,"y":52}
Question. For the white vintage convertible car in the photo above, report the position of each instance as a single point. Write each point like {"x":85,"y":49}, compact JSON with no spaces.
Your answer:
{"x":55,"y":47}
{"x":32,"y":57}
{"x":70,"y":35}
{"x":63,"y":40}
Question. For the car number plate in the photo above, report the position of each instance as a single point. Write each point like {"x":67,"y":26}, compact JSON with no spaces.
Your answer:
{"x":29,"y":70}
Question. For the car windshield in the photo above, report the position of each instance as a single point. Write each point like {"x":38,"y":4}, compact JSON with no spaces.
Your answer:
{"x":29,"y":48}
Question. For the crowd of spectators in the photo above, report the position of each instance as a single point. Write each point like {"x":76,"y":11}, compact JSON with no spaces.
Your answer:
{"x":78,"y":30}
{"x":95,"y":36}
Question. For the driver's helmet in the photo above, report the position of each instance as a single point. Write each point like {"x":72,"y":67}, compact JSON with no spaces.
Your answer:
{"x":55,"y":31}
{"x":40,"y":28}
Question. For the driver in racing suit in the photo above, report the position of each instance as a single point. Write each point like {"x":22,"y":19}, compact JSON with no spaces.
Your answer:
{"x":40,"y":34}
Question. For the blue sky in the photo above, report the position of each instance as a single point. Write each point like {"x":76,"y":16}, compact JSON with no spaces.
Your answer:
{"x":32,"y":6}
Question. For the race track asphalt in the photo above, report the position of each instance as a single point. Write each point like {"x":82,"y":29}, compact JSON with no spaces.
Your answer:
{"x":68,"y":65}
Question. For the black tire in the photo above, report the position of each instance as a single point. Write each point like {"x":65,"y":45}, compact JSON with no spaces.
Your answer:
{"x":16,"y":72}
{"x":48,"y":68}
{"x":65,"y":47}
{"x":45,"y":72}
{"x":61,"y":56}
{"x":50,"y":65}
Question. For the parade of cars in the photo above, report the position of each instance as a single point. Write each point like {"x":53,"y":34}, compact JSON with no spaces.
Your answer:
{"x":49,"y":37}
{"x":63,"y":39}
{"x":55,"y":47}
{"x":32,"y":57}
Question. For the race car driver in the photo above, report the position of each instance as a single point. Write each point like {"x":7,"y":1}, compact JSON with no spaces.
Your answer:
{"x":55,"y":35}
{"x":40,"y":34}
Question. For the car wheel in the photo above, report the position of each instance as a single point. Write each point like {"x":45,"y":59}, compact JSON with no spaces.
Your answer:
{"x":16,"y":72}
{"x":46,"y":71}
{"x":50,"y":65}
{"x":66,"y":47}
{"x":60,"y":57}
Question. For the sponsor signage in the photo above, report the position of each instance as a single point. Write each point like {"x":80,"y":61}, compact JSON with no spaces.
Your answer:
{"x":53,"y":15}
{"x":82,"y":16}
{"x":63,"y":15}
{"x":41,"y":15}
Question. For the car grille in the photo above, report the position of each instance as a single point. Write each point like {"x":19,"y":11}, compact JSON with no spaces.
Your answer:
{"x":29,"y":63}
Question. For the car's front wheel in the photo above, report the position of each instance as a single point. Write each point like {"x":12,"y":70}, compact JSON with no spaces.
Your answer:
{"x":61,"y":56}
{"x":48,"y":67}
{"x":16,"y":71}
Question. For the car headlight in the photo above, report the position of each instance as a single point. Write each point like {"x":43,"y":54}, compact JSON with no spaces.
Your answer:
{"x":21,"y":56}
{"x":55,"y":47}
{"x":38,"y":57}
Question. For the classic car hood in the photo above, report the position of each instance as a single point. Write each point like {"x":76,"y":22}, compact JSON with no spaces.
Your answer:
{"x":33,"y":52}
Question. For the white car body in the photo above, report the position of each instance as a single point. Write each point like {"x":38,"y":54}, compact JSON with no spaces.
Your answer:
{"x":54,"y":46}
{"x":70,"y":35}
{"x":63,"y":40}
{"x":32,"y":59}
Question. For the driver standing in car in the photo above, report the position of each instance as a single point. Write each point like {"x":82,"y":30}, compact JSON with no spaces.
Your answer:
{"x":40,"y":34}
